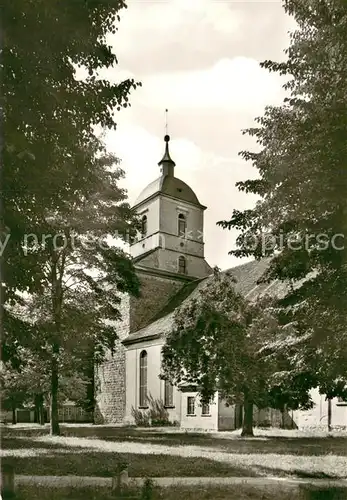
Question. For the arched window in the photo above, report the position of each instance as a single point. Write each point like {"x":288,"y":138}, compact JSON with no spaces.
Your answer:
{"x":168,"y":394}
{"x":182,"y":265}
{"x":182,"y":225}
{"x":143,"y":379}
{"x":144,"y":226}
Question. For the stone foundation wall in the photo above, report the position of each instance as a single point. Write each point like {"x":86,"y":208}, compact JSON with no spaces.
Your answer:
{"x":110,"y":375}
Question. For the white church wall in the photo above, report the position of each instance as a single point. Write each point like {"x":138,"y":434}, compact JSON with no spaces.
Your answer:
{"x":171,"y":208}
{"x":143,"y":245}
{"x":226,"y":416}
{"x":155,"y":386}
{"x":198,"y":421}
{"x":151,"y":209}
{"x":185,"y":245}
{"x":339,"y":413}
{"x":317,"y":417}
{"x":196,"y":266}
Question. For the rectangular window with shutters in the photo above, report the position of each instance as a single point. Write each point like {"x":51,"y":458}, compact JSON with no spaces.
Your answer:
{"x":190,"y":405}
{"x":182,"y":267}
{"x":168,"y":394}
{"x":182,"y":226}
{"x":205,"y":409}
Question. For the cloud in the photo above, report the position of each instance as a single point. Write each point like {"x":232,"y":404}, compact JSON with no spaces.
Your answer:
{"x":200,"y":59}
{"x":172,"y":34}
{"x":230,"y":84}
{"x":166,"y":16}
{"x":176,"y":35}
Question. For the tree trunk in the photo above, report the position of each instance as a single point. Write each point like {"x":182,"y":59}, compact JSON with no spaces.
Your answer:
{"x":42,"y":415}
{"x":329,"y":414}
{"x":39,"y":410}
{"x":57,"y":300}
{"x":14,"y":415}
{"x":90,"y":372}
{"x":247,"y":426}
{"x":284,"y":411}
{"x":55,"y":429}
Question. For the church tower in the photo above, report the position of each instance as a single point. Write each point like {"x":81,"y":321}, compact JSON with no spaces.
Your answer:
{"x":167,"y":253}
{"x":172,"y":223}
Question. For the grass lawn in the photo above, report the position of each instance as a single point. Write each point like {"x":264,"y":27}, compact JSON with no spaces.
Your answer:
{"x":196,"y":493}
{"x":97,"y":451}
{"x":30,"y":457}
{"x":288,"y":443}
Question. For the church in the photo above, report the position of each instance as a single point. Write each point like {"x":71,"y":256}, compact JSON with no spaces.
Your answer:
{"x":169,"y":259}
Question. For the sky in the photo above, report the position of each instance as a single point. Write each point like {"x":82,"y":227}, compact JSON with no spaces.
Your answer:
{"x":200,"y":60}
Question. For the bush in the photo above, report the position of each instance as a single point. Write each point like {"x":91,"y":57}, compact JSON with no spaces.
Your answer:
{"x":147,"y":490}
{"x":157,"y":411}
{"x":141,"y":417}
{"x":156,"y":416}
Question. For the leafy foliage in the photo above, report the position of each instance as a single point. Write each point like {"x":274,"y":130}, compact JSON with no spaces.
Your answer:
{"x":301,"y":216}
{"x":221,"y":342}
{"x":52,"y":99}
{"x":147,"y":492}
{"x":31,"y":382}
{"x":62,"y":206}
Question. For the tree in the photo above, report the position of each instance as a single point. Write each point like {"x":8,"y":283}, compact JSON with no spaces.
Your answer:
{"x":30,"y":384}
{"x":59,"y":183}
{"x":83,"y":274}
{"x":221,"y":342}
{"x":13,"y":391}
{"x":83,"y":278}
{"x":301,"y":216}
{"x":49,"y":117}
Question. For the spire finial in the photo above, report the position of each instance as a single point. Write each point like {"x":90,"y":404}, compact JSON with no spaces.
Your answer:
{"x":166,"y":162}
{"x":166,"y":137}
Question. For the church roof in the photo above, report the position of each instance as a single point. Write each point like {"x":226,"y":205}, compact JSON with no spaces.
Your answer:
{"x":170,"y":186}
{"x":247,"y":282}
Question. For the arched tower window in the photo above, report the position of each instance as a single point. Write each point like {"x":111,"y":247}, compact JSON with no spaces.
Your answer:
{"x":182,"y":265}
{"x":144,"y":226}
{"x":143,"y":379}
{"x":182,"y":225}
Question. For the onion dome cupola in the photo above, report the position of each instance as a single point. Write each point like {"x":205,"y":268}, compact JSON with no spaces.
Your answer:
{"x":167,"y":183}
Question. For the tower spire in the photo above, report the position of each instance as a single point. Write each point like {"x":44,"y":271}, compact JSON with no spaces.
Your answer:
{"x":166,"y":163}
